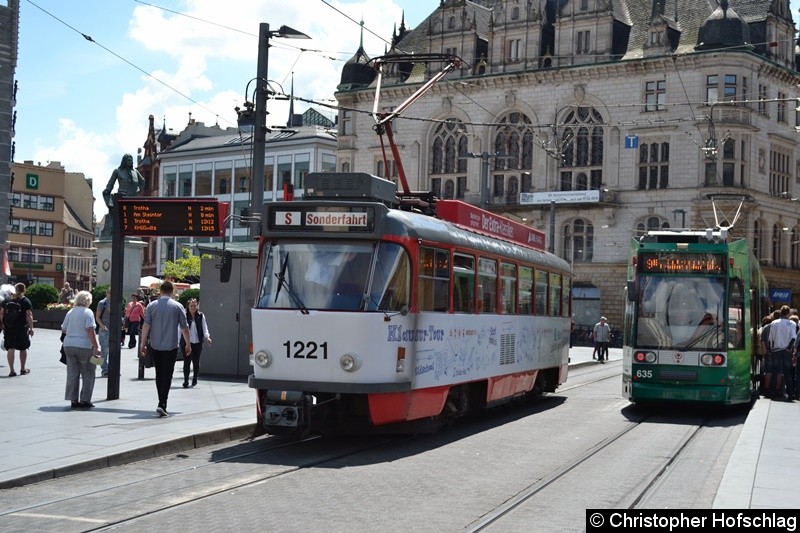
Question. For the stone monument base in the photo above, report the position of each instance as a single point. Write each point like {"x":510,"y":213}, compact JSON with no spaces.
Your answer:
{"x":132,"y":265}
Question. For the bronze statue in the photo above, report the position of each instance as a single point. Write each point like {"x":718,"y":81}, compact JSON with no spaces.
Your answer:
{"x":131,"y":183}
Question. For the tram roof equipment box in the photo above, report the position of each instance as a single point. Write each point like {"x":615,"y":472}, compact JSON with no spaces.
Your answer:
{"x":349,"y":186}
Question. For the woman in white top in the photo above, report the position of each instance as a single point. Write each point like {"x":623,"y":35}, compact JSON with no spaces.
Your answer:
{"x":80,"y":344}
{"x":198,"y":333}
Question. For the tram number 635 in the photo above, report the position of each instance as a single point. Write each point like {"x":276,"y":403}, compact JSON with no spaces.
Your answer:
{"x":306,"y":350}
{"x":646,"y":374}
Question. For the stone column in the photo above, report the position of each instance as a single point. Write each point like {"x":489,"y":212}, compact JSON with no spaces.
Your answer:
{"x":132,"y":271}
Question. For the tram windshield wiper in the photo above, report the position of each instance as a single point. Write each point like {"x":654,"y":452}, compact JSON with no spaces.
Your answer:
{"x":283,"y":283}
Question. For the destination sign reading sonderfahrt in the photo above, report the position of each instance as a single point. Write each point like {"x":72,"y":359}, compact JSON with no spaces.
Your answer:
{"x":169,"y":217}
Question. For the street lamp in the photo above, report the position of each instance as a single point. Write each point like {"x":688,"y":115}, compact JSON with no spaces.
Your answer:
{"x":30,"y":228}
{"x":260,"y":130}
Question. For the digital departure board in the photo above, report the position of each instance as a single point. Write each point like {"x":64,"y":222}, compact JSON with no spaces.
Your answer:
{"x":681,"y":263}
{"x":172,"y":217}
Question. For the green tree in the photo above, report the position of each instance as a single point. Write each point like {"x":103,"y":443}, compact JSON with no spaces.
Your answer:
{"x":41,"y":294}
{"x":183,"y":268}
{"x":187,"y":295}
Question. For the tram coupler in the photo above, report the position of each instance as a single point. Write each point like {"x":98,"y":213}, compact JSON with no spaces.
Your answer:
{"x":287,"y":411}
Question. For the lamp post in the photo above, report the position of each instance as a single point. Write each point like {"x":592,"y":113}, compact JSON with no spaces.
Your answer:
{"x":30,"y":229}
{"x":260,"y":129}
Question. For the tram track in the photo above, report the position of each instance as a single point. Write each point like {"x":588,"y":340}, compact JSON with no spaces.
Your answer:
{"x":634,"y":499}
{"x":54,"y":508}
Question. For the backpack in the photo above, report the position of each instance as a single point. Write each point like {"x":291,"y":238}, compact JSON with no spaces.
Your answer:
{"x":14,"y":316}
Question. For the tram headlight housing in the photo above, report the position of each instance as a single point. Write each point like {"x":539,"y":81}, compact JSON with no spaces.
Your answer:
{"x":712,"y":359}
{"x":350,"y":362}
{"x":262,"y":358}
{"x":644,"y":357}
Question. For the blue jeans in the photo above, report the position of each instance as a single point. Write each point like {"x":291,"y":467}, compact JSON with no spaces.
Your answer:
{"x":102,"y":337}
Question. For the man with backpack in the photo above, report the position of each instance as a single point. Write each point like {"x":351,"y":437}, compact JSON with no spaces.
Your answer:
{"x":16,"y":317}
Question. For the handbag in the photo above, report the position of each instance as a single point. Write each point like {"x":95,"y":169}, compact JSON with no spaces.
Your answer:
{"x":148,"y":361}
{"x":63,"y":355}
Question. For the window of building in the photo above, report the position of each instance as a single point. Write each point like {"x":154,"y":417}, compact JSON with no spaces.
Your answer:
{"x":284,"y":170}
{"x":712,"y":89}
{"x":449,"y":145}
{"x":449,"y":189}
{"x":16,"y":199}
{"x":461,"y":186}
{"x":451,"y":23}
{"x":170,"y":178}
{"x":436,"y":187}
{"x":578,"y":241}
{"x":582,"y":45}
{"x":328,"y":163}
{"x":185,"y":180}
{"x":652,"y":224}
{"x":487,"y":285}
{"x":729,"y":91}
{"x":584,"y":5}
{"x":499,"y":185}
{"x":655,"y":94}
{"x":512,"y":196}
{"x":346,"y":122}
{"x":47,"y":203}
{"x":763,"y":95}
{"x":779,"y":171}
{"x":269,"y":176}
{"x":202,"y":179}
{"x":434,"y":279}
{"x":513,"y":50}
{"x":241,"y":176}
{"x":346,"y":166}
{"x":515,"y":13}
{"x":514,"y":139}
{"x":302,"y":166}
{"x":777,"y":245}
{"x":795,"y":249}
{"x":222,"y":177}
{"x":781,"y":105}
{"x":30,"y":201}
{"x":450,"y":51}
{"x":653,"y":166}
{"x":46,"y":229}
{"x":582,"y":149}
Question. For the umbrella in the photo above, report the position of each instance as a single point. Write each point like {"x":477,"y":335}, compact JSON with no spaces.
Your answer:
{"x":148,"y":281}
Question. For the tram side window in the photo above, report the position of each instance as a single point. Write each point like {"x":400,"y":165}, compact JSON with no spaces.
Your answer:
{"x":434,"y":279}
{"x":508,"y":289}
{"x":525,"y":291}
{"x":736,"y":314}
{"x":566,"y":291}
{"x":555,"y":294}
{"x":463,"y":283}
{"x":540,"y":295}
{"x":487,"y":285}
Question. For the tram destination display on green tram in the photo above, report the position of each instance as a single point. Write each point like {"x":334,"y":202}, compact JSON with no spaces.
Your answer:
{"x":184,"y":217}
{"x":681,"y":263}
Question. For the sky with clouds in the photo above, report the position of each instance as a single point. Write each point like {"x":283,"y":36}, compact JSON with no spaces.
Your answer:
{"x":90,"y":72}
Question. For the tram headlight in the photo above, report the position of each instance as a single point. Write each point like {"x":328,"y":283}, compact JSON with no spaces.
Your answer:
{"x":350,"y":362}
{"x":262,"y":358}
{"x":712,"y":359}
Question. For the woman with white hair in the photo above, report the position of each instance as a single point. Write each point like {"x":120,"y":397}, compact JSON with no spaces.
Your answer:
{"x":80,"y":344}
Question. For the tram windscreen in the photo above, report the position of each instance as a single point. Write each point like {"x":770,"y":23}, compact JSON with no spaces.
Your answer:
{"x":335,"y":276}
{"x":681,"y":313}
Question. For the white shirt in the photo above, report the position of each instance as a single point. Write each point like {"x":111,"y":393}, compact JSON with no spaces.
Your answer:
{"x":781,"y":333}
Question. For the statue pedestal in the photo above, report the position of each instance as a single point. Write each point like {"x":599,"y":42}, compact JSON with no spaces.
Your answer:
{"x":132,"y":267}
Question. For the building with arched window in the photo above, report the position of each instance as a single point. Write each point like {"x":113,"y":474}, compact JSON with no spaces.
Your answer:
{"x":656,"y":110}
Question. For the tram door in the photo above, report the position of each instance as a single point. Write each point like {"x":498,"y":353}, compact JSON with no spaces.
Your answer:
{"x":463,"y":283}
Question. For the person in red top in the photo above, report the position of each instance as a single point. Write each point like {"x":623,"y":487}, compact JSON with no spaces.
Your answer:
{"x":134,"y":314}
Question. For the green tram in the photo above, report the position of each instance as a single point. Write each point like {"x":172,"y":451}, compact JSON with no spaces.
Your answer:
{"x":694,"y":304}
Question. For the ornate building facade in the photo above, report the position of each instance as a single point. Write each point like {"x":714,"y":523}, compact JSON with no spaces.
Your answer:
{"x":651,"y":113}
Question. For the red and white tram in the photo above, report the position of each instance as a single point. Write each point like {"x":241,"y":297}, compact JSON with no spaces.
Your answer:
{"x":369,"y":315}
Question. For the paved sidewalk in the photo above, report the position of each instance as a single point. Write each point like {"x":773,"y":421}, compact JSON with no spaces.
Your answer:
{"x":43,"y":438}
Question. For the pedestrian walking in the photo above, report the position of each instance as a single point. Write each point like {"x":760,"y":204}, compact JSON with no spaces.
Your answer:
{"x":767,"y":361}
{"x":602,"y":337}
{"x":80,"y":344}
{"x":16,"y":318}
{"x":198,"y":333}
{"x":134,"y":314}
{"x":162,"y":319}
{"x":782,"y":338}
{"x":101,"y":316}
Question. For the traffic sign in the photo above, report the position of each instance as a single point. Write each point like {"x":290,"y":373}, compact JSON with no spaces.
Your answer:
{"x":631,"y":141}
{"x":172,"y":217}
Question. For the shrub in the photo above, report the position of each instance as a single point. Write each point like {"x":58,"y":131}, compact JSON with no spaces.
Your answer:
{"x":98,"y":293}
{"x":187,"y":295}
{"x":41,"y":294}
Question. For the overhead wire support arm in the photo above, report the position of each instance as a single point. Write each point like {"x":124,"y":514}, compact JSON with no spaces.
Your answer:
{"x":383,"y":119}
